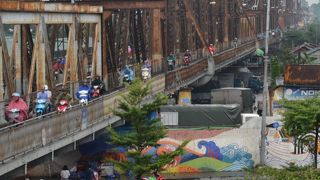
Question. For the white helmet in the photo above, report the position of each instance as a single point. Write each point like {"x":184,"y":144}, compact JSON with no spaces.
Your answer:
{"x":16,"y":94}
{"x":45,"y":87}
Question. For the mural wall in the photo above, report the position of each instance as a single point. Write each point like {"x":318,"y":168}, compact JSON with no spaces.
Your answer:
{"x":280,"y":148}
{"x":211,"y":150}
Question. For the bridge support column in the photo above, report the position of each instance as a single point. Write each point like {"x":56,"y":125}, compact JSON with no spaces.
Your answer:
{"x":96,"y":56}
{"x":41,"y":64}
{"x":2,"y":119}
{"x":72,"y":58}
{"x":1,"y":78}
{"x":105,"y":16}
{"x":156,"y":41}
{"x":226,"y":26}
{"x":8,"y":76}
{"x":15,"y":58}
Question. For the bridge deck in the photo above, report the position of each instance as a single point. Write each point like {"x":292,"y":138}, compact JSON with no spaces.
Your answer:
{"x":39,"y":136}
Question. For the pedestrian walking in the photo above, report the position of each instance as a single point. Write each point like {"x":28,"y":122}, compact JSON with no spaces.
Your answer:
{"x":65,"y":173}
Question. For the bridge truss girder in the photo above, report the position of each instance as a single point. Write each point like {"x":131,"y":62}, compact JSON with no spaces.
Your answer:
{"x":33,"y":54}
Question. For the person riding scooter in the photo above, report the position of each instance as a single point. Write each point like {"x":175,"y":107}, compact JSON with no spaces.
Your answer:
{"x":84,"y":94}
{"x":146,"y":70}
{"x":97,"y":87}
{"x":212,"y":49}
{"x":42,"y":103}
{"x":187,"y":57}
{"x":63,"y":102}
{"x":127,"y":74}
{"x":17,"y":110}
{"x":171,"y":60}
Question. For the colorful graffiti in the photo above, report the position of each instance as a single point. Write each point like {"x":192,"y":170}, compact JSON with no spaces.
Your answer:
{"x":280,"y":149}
{"x":205,"y":156}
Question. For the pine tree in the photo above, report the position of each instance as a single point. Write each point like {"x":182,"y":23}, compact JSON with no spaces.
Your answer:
{"x":145,"y":132}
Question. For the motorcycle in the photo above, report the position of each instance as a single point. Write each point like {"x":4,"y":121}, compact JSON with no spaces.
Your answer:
{"x":145,"y":72}
{"x":84,"y":95}
{"x":126,"y":78}
{"x":170,"y":65}
{"x":97,"y":91}
{"x":62,"y":106}
{"x":41,"y":107}
{"x":186,"y":60}
{"x":14,"y":115}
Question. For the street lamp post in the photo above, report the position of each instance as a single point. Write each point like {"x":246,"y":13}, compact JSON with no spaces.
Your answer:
{"x":265,"y":89}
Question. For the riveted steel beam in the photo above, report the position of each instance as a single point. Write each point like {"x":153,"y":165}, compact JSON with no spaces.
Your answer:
{"x":49,"y":18}
{"x":1,"y":76}
{"x":111,"y":5}
{"x":71,"y":57}
{"x":15,"y":6}
{"x":156,"y":41}
{"x":16,"y":57}
{"x":195,"y":23}
{"x":48,"y":57}
{"x":41,"y":61}
{"x":6,"y":60}
{"x":105,"y":46}
{"x":34,"y":59}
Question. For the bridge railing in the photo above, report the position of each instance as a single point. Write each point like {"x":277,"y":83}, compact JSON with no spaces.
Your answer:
{"x":41,"y":131}
{"x":187,"y":73}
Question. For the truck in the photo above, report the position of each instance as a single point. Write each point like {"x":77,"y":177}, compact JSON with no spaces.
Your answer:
{"x":242,"y":96}
{"x":240,"y":79}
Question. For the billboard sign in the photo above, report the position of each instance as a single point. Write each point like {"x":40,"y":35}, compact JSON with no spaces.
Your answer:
{"x":296,"y":93}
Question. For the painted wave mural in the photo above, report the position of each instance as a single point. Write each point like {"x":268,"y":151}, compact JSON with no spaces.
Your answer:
{"x":214,"y":158}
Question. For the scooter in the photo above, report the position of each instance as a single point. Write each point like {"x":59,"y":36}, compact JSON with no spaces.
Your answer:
{"x":14,"y":115}
{"x":97,"y":91}
{"x":170,"y":65}
{"x":63,"y":106}
{"x":186,"y":60}
{"x":83,"y":97}
{"x":126,"y":78}
{"x":41,"y":107}
{"x":145,"y":72}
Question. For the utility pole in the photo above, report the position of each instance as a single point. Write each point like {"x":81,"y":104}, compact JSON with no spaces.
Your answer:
{"x":265,"y":89}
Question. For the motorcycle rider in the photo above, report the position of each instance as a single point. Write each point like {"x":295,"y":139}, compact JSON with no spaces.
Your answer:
{"x":127,"y":74}
{"x":17,"y":103}
{"x":99,"y":84}
{"x":171,"y":59}
{"x":84,"y":93}
{"x":49,"y":93}
{"x":212,"y":49}
{"x":63,"y":96}
{"x":45,"y":95}
{"x":146,"y":65}
{"x":187,"y":54}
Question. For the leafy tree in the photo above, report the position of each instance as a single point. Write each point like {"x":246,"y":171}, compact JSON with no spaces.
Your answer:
{"x":302,"y":117}
{"x":145,"y":132}
{"x":275,"y":70}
